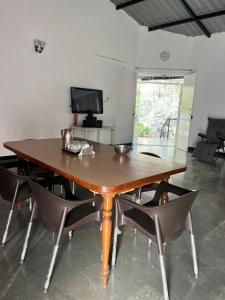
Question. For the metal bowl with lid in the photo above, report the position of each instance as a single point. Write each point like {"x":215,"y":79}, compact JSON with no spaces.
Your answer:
{"x":122,"y":148}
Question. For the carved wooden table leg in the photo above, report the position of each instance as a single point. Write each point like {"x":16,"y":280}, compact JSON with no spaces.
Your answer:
{"x":106,"y":235}
{"x":164,"y":197}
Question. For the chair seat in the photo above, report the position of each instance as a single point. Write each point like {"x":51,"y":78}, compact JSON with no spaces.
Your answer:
{"x":79,"y":213}
{"x":141,"y":219}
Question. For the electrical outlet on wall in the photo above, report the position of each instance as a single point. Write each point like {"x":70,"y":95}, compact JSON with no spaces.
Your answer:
{"x":108,"y":98}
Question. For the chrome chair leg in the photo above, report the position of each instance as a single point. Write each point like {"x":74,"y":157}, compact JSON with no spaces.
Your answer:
{"x":23,"y":254}
{"x":51,"y":266}
{"x":9,"y":219}
{"x":70,"y":234}
{"x":61,"y":190}
{"x":115,"y":235}
{"x":30,"y":204}
{"x":138,"y":201}
{"x":4,"y":238}
{"x":54,"y":252}
{"x":193,"y":247}
{"x":25,"y":244}
{"x":194,"y":255}
{"x":161,"y":258}
{"x":163,"y":274}
{"x":73,"y":187}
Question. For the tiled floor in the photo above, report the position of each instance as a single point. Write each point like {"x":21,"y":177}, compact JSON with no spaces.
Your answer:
{"x":137,"y":273}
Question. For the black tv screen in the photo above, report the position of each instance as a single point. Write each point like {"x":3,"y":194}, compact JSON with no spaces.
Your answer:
{"x":85,"y":101}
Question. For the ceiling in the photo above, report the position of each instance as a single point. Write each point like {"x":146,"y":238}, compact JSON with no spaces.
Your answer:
{"x":187,"y":17}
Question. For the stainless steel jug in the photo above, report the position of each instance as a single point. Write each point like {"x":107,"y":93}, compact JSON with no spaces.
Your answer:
{"x":67,"y":137}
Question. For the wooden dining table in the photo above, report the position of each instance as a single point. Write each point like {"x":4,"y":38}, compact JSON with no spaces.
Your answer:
{"x":105,"y":172}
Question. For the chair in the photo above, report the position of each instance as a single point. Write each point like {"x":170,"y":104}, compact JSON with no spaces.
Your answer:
{"x":43,"y":176}
{"x":47,"y":178}
{"x":212,"y":142}
{"x":24,"y":167}
{"x":64,"y":184}
{"x":59,"y":216}
{"x":145,"y":188}
{"x":28,"y":168}
{"x":161,"y":224}
{"x":9,"y":162}
{"x":13,"y":188}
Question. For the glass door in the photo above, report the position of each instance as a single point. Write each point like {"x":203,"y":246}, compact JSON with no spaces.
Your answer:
{"x":157,"y":106}
{"x":185,"y":111}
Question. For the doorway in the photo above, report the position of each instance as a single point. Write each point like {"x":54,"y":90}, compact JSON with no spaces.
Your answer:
{"x":163,"y":110}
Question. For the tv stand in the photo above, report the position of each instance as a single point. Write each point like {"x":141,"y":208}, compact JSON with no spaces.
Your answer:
{"x":87,"y":130}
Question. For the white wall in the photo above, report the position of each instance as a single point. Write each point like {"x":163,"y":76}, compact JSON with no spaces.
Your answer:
{"x":34,"y":88}
{"x":209,"y":62}
{"x":151,"y":44}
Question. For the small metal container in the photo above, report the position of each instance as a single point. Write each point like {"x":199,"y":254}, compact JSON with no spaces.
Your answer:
{"x":122,"y":149}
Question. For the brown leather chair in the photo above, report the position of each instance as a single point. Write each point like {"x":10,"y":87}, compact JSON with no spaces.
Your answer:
{"x":13,"y":188}
{"x":161,"y":224}
{"x":59,"y":216}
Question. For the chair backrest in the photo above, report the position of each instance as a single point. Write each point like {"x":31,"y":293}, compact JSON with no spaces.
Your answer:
{"x":8,"y":183}
{"x":165,"y":187}
{"x":151,"y":154}
{"x":9,"y":161}
{"x":172,"y":216}
{"x":50,"y":207}
{"x":215,"y":127}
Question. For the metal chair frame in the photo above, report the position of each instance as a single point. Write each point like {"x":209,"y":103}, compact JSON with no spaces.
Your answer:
{"x":13,"y":188}
{"x":167,"y":222}
{"x":52,"y":212}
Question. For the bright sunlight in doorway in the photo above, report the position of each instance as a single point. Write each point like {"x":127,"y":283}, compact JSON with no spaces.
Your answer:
{"x":157,"y":109}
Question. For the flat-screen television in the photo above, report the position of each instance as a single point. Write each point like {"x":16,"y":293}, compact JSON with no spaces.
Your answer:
{"x":86,"y":101}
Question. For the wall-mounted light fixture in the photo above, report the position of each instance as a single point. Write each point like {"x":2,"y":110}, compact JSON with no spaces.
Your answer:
{"x":39,"y":45}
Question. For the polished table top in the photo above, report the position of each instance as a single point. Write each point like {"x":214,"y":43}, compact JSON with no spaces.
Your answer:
{"x":105,"y":171}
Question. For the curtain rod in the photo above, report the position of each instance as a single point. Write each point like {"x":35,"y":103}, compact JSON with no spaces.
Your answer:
{"x":149,"y":78}
{"x":112,"y":58}
{"x":168,"y":69}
